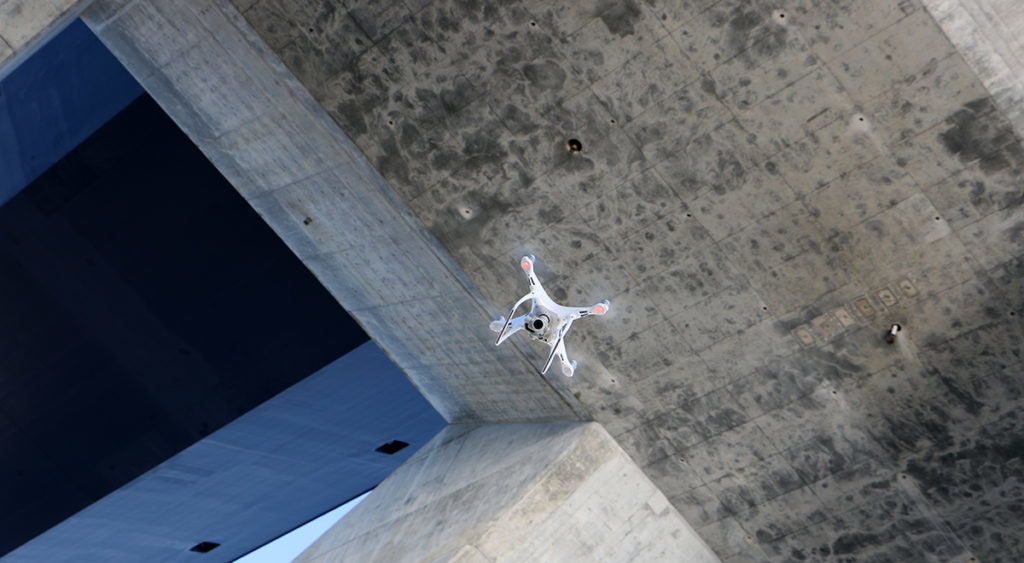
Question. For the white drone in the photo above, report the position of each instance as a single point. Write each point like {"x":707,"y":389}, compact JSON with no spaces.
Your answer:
{"x":547,"y":321}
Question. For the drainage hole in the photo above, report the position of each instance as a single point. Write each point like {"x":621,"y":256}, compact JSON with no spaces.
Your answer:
{"x":533,"y":24}
{"x":574,"y":145}
{"x":938,"y":218}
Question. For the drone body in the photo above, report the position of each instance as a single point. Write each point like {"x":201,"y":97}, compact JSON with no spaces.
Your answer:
{"x":547,"y":321}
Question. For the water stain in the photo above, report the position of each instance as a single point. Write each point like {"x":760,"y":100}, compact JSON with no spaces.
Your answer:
{"x":621,"y":17}
{"x":977,"y":132}
{"x":544,"y":75}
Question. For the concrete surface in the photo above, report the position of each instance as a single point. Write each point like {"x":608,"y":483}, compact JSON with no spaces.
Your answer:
{"x":514,"y":492}
{"x":761,"y":192}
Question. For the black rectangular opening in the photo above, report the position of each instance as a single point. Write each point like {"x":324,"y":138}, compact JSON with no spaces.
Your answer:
{"x":204,"y":547}
{"x":392,"y":447}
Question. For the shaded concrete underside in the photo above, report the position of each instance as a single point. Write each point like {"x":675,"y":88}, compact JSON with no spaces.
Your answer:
{"x":763,"y":189}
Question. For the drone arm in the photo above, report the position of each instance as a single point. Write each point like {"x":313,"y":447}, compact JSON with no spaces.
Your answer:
{"x":598,"y":309}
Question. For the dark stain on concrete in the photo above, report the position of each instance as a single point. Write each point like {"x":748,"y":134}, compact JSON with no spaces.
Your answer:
{"x":545,"y":75}
{"x":621,"y":17}
{"x":978,"y":132}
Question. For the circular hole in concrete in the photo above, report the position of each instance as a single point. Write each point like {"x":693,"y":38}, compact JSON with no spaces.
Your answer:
{"x":904,"y":476}
{"x":834,"y":392}
{"x":533,"y":24}
{"x":612,"y":121}
{"x":307,"y":220}
{"x":1013,"y":313}
{"x":574,"y":145}
{"x":750,"y":538}
{"x":689,"y":215}
{"x":764,"y":308}
{"x":938,"y":218}
{"x":860,"y":119}
{"x":613,"y":381}
{"x":391,"y":123}
{"x":782,"y":16}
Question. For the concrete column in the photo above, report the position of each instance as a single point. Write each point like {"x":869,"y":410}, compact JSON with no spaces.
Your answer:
{"x":514,"y":492}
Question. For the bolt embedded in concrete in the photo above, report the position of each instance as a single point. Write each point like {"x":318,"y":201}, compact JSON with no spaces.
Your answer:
{"x":890,"y":336}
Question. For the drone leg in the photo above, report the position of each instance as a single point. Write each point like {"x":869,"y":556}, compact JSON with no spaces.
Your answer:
{"x":568,"y":368}
{"x":550,"y":358}
{"x":554,"y":349}
{"x":509,"y":318}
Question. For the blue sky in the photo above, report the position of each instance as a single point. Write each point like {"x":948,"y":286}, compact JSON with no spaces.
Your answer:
{"x":290,"y":545}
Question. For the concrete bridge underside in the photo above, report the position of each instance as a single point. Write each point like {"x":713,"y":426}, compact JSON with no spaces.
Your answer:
{"x":763,"y":189}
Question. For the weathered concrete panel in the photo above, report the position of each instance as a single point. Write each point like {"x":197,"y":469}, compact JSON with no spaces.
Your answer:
{"x":525,"y":492}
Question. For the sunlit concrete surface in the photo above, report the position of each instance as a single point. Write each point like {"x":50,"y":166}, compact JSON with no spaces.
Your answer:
{"x":514,"y":492}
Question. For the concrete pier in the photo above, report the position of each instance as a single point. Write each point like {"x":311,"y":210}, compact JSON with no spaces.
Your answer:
{"x":515,"y":492}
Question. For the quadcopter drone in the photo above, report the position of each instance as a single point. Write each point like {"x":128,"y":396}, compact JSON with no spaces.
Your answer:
{"x":547,"y":321}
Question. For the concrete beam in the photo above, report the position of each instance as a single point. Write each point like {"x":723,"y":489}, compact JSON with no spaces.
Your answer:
{"x":516,"y":492}
{"x":226,"y":89}
{"x":25,"y":25}
{"x":988,"y":34}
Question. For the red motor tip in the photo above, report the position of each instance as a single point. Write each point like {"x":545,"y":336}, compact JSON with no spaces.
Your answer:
{"x":525,"y":264}
{"x":599,"y":309}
